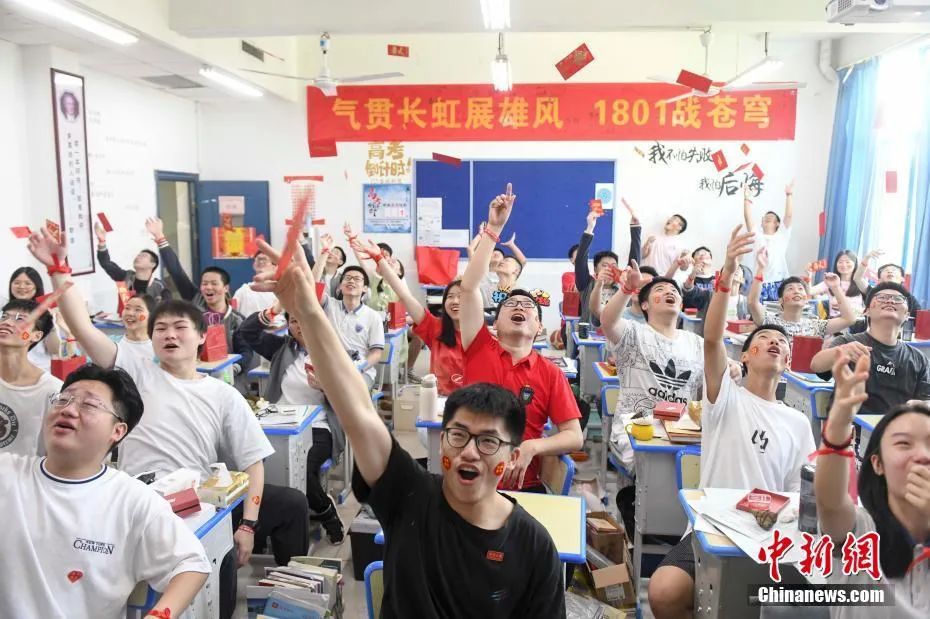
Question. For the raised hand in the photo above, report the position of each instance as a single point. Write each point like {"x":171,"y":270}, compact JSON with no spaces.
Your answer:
{"x":634,"y":278}
{"x":591,"y":219}
{"x":296,"y":288}
{"x":849,"y":387}
{"x":155,"y":227}
{"x":347,"y":230}
{"x":513,"y":239}
{"x":832,"y":280}
{"x":853,"y":351}
{"x":789,"y":188}
{"x":650,"y":240}
{"x":100,"y":232}
{"x":43,"y":246}
{"x":740,"y":244}
{"x":685,"y":261}
{"x":368,"y":249}
{"x":327,"y":243}
{"x":875,"y":253}
{"x":762,"y":259}
{"x":500,"y":208}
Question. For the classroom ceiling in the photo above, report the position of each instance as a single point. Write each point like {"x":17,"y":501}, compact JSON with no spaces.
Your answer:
{"x":248,"y":18}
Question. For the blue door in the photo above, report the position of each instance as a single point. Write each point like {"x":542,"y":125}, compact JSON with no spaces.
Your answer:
{"x":255,"y":216}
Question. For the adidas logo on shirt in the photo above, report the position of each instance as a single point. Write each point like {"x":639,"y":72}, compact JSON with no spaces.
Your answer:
{"x":668,"y":377}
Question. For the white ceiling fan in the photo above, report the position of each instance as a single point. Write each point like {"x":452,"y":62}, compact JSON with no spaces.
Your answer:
{"x":745,"y":80}
{"x":326,"y":82}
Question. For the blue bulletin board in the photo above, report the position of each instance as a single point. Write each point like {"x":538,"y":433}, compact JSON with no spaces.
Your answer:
{"x":552,"y":200}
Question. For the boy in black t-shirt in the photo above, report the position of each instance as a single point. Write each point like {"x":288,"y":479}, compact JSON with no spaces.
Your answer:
{"x":899,"y":372}
{"x":455,"y":546}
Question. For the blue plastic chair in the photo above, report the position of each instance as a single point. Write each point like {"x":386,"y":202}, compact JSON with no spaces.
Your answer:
{"x":374,"y":588}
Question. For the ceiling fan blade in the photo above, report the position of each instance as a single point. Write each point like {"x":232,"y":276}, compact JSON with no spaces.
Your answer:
{"x":290,"y":77}
{"x":327,"y":87}
{"x":366,"y":78}
{"x":662,"y":78}
{"x":690,"y":93}
{"x":766,"y":86}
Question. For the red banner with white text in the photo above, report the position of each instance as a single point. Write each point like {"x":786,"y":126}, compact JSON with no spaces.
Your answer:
{"x":458,"y":112}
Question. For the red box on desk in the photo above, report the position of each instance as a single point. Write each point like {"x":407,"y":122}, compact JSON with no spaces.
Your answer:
{"x":922,"y":325}
{"x":803,"y":349}
{"x":571,"y":304}
{"x":669,"y":410}
{"x":762,"y":500}
{"x":740,"y":326}
{"x":184,"y":503}
{"x":396,"y":315}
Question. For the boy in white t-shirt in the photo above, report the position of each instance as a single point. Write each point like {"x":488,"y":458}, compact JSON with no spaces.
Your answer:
{"x":749,"y":440}
{"x":249,"y":301}
{"x":662,"y":251}
{"x":78,"y":535}
{"x":776,"y":235}
{"x":193,"y":421}
{"x":24,"y":388}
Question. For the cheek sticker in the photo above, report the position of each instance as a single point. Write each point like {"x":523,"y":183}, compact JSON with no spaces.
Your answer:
{"x":446,"y":463}
{"x":499,"y":469}
{"x":143,"y":317}
{"x":25,"y":336}
{"x":754,"y":350}
{"x":657,"y":299}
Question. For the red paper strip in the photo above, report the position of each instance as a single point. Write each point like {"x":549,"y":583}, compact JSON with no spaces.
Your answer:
{"x":597,"y":206}
{"x":293,"y":233}
{"x":745,"y":149}
{"x":720,"y":161}
{"x":891,"y":181}
{"x":822,"y":223}
{"x":695,"y":81}
{"x":323,"y":148}
{"x":577,"y":59}
{"x":318,"y":222}
{"x":398,"y":50}
{"x":757,"y":171}
{"x":291,"y":179}
{"x":54,"y":229}
{"x":21,"y":232}
{"x":742,"y":167}
{"x":104,"y":222}
{"x":447,"y":159}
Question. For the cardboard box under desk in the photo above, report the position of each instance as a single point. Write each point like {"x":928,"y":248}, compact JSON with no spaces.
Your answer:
{"x":610,"y":543}
{"x":407,"y":408}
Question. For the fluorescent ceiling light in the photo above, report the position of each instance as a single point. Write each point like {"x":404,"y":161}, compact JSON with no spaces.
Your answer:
{"x":231,"y":83}
{"x":500,"y":73}
{"x":496,"y":14}
{"x":82,"y":20}
{"x":757,"y":71}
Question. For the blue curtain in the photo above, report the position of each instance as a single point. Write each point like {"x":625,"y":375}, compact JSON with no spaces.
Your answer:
{"x":851,"y":174}
{"x":917,"y":237}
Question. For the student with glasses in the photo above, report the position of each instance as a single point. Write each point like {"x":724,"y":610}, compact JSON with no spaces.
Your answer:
{"x":24,"y":388}
{"x":455,"y":547}
{"x":78,"y":535}
{"x":898,"y":372}
{"x":511,"y":362}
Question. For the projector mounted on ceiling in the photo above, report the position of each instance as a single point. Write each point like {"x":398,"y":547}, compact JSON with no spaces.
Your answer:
{"x":877,"y":11}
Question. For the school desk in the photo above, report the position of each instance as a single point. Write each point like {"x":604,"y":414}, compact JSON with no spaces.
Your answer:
{"x":734,"y":343}
{"x":397,"y":367}
{"x":113,"y":330}
{"x":571,"y":325}
{"x":724,"y":573}
{"x":589,"y":351}
{"x":691,"y":323}
{"x":866,"y":423}
{"x":221,"y":369}
{"x":261,"y":374}
{"x":810,"y":395}
{"x":433,"y":430}
{"x":213,"y":527}
{"x":287,"y":466}
{"x":606,"y":378}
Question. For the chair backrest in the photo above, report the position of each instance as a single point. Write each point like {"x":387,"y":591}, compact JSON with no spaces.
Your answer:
{"x":609,"y":396}
{"x":557,"y":473}
{"x":688,"y":467}
{"x":374,"y":588}
{"x":383,"y":367}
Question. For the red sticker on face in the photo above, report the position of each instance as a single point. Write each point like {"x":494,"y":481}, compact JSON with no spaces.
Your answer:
{"x":499,"y":469}
{"x":25,"y":335}
{"x":754,"y":350}
{"x":446,"y":463}
{"x":75,"y":575}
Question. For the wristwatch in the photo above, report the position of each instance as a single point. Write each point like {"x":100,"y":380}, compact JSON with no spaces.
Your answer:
{"x":249,"y":523}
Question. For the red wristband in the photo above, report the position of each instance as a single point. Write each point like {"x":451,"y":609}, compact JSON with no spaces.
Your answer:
{"x":824,"y":441}
{"x":58,"y":267}
{"x":377,"y":258}
{"x":246,"y":528}
{"x":759,"y":278}
{"x":627,"y":290}
{"x":161,"y":240}
{"x":494,"y":237}
{"x":163,"y":614}
{"x":718,"y":287}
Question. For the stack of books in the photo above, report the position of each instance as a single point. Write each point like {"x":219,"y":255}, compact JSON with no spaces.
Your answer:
{"x":223,"y":496}
{"x":307,"y":588}
{"x":679,"y":433}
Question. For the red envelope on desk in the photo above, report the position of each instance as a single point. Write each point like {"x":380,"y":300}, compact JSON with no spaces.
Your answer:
{"x":669,"y":410}
{"x":762,"y":500}
{"x":184,"y":503}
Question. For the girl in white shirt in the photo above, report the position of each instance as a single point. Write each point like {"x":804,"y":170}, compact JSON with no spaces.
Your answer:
{"x":844,"y":265}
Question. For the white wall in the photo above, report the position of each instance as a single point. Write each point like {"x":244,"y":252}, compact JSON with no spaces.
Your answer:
{"x":132,"y":131}
{"x":267,"y":140}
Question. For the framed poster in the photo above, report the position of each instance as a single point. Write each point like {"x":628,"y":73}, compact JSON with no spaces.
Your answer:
{"x":68,"y":111}
{"x":386,"y":208}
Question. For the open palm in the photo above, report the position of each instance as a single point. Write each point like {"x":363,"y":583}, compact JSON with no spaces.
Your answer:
{"x":46,"y":249}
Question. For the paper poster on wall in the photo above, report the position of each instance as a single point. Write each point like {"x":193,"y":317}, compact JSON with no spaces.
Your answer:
{"x":605,"y":193}
{"x":231,"y":240}
{"x":429,"y":221}
{"x":73,"y":181}
{"x":453,"y":238}
{"x":386,"y":208}
{"x":232,"y":205}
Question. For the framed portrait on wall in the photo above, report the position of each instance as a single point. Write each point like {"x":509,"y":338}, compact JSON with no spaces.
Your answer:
{"x":68,"y":111}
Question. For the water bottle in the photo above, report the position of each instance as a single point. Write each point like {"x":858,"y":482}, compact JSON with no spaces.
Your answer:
{"x":907,"y":330}
{"x":807,"y":511}
{"x":583,"y":330}
{"x":428,"y":397}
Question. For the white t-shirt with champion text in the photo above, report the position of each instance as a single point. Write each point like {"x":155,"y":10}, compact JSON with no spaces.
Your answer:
{"x":652,"y":368}
{"x":77,"y":548}
{"x":296,"y":390}
{"x":360,"y":330}
{"x":188,"y":424}
{"x":21,"y":412}
{"x":748,"y":442}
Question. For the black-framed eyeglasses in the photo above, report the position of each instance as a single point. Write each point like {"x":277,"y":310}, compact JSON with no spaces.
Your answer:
{"x":512,"y":303}
{"x":487,"y":444}
{"x":890,"y":298}
{"x":84,"y":404}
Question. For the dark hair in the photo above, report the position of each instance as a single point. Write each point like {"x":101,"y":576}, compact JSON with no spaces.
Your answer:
{"x":447,"y":335}
{"x":386,"y":247}
{"x":896,"y":549}
{"x":518,"y":292}
{"x":152,"y":255}
{"x":342,"y":253}
{"x":572,"y":250}
{"x":357,"y":269}
{"x":684,"y":223}
{"x":777,"y":218}
{"x":605,"y":254}
{"x":756,"y":332}
{"x":148,"y":300}
{"x":177,"y":307}
{"x":31,"y":274}
{"x":44,"y":322}
{"x":381,"y":283}
{"x":519,"y":264}
{"x":853,"y":290}
{"x":500,"y":251}
{"x":649,"y":271}
{"x":794,"y":279}
{"x":891,"y":265}
{"x":491,"y":401}
{"x":644,"y":292}
{"x":126,"y":399}
{"x":704,"y":249}
{"x":882,"y":286}
{"x":223,"y":273}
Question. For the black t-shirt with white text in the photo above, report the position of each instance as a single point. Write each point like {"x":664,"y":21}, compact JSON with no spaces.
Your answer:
{"x":899,"y":373}
{"x":438,"y":565}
